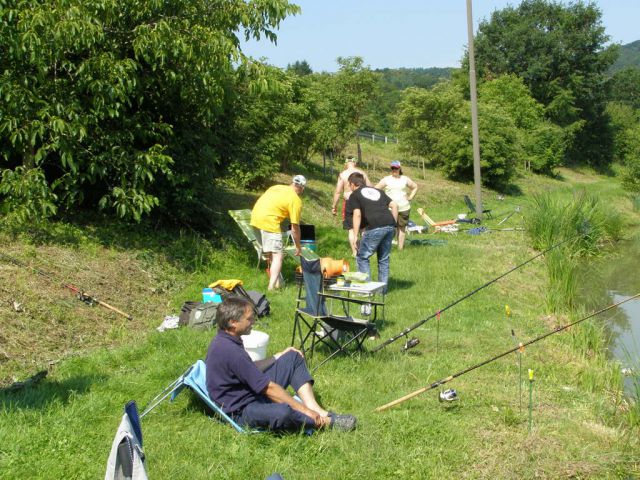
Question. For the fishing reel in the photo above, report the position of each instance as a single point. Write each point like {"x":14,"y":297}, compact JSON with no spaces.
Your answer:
{"x":449,"y":395}
{"x":86,"y":299}
{"x":410,"y":343}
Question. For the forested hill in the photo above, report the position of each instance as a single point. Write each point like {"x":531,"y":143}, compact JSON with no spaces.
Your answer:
{"x":629,"y":57}
{"x":401,"y":78}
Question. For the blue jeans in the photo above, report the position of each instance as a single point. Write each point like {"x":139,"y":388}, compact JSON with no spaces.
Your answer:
{"x":377,"y":241}
{"x":288,"y":370}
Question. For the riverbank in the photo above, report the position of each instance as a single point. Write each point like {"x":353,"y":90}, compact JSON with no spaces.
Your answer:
{"x":579,"y":429}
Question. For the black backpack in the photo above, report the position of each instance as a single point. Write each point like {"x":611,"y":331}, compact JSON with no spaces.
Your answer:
{"x":259,"y":300}
{"x":263,"y":307}
{"x":198,"y":315}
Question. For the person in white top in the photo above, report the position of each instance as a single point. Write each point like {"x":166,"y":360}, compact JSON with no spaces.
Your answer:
{"x":342,"y":187}
{"x":396,"y":186}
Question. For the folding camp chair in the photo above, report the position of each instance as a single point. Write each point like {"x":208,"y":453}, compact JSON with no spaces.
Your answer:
{"x":313,"y":325}
{"x":472,"y":207}
{"x":243,"y":219}
{"x":196,"y":379}
{"x":447,"y":226}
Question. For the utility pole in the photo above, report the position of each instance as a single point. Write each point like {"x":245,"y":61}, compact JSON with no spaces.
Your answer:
{"x":474,"y":113}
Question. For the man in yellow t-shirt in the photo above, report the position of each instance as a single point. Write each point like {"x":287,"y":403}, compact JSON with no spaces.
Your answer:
{"x":275,"y":205}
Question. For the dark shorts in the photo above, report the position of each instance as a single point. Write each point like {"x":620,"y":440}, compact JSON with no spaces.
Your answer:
{"x":403,"y":219}
{"x":347,"y":217}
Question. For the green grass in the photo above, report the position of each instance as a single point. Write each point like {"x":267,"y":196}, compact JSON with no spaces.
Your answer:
{"x":63,"y":428}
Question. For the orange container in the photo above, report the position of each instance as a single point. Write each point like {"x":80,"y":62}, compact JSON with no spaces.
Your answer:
{"x":333,"y":268}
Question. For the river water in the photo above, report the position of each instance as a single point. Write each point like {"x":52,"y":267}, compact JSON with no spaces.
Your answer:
{"x":611,"y":280}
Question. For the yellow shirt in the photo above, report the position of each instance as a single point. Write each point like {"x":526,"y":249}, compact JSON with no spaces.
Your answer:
{"x":276,"y":204}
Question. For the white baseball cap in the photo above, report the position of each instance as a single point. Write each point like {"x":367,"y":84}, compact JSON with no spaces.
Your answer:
{"x":300,"y":180}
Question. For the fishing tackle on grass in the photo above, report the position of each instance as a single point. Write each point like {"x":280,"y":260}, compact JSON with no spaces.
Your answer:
{"x":503,"y":354}
{"x":408,"y":330}
{"x":80,"y":294}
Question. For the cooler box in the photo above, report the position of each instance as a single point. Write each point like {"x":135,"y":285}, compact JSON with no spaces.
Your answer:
{"x":307,"y":236}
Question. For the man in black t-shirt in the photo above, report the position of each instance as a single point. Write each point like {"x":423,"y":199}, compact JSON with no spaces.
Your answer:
{"x":376,"y":215}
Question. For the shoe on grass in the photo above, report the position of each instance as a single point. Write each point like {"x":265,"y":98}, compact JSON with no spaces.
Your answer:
{"x":344,"y":423}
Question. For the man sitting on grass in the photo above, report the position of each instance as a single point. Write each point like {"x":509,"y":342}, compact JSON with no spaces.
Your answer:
{"x":254,"y":393}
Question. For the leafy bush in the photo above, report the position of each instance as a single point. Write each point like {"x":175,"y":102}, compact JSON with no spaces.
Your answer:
{"x":631,"y":171}
{"x":436,"y":124}
{"x":27,"y":196}
{"x":544,"y":147}
{"x":499,"y":147}
{"x":423,"y":116}
{"x":541,"y":142}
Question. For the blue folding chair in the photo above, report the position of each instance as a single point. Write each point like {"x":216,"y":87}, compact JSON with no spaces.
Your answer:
{"x":196,"y":379}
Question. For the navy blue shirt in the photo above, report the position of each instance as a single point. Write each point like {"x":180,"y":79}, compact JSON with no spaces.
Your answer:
{"x":233,"y":380}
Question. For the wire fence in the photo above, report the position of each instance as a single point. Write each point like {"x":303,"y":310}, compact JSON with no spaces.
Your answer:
{"x":374,"y":137}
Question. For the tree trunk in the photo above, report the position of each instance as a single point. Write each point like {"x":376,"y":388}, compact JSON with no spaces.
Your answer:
{"x":324,"y":166}
{"x":28,"y":159}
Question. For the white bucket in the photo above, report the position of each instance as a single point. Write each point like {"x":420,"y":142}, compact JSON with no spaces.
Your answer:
{"x":256,"y":344}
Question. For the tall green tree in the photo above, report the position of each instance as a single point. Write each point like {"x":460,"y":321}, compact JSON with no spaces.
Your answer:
{"x":272,"y":129}
{"x":624,"y":87}
{"x":356,"y":87}
{"x":392,"y":81}
{"x":499,"y":146}
{"x":300,"y":67}
{"x":423,"y":115}
{"x":102,"y":97}
{"x":435,"y":124}
{"x":541,"y":143}
{"x":560,"y":52}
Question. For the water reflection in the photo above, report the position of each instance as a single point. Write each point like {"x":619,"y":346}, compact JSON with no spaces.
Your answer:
{"x":611,"y":280}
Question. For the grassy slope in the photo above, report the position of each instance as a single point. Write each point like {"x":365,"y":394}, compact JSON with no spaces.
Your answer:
{"x":64,"y":427}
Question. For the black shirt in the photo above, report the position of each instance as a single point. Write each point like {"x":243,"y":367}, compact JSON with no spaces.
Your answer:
{"x":374,"y":207}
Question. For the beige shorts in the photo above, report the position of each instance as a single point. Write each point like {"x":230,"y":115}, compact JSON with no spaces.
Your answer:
{"x":271,"y":242}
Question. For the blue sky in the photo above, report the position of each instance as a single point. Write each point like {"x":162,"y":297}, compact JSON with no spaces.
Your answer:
{"x":401,"y":33}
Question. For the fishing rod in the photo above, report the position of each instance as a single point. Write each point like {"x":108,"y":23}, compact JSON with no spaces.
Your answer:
{"x":484,"y":229}
{"x":503,"y":354}
{"x":517,"y":209}
{"x":80,"y":294}
{"x":408,"y":330}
